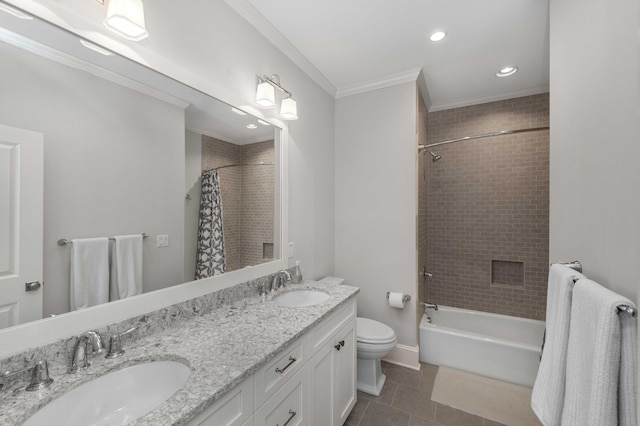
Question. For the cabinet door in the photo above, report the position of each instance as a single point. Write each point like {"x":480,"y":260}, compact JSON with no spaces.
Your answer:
{"x":288,"y":406}
{"x":321,"y":390}
{"x":344,"y":390}
{"x":233,"y":409}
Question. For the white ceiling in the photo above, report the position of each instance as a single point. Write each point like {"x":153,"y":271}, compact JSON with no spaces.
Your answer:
{"x":362,"y":44}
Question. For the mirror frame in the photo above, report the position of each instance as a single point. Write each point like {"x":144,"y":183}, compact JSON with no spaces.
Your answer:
{"x":25,"y":336}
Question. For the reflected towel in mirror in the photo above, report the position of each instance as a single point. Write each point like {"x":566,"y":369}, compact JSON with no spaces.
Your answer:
{"x":126,"y":266}
{"x":89,"y":272}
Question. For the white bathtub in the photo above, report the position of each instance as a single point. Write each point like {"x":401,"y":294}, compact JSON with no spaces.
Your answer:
{"x":498,"y":346}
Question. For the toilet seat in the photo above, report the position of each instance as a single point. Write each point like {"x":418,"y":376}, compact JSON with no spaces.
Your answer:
{"x":372,"y":332}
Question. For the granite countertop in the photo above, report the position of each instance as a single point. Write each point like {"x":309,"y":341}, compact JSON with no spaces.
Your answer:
{"x":222,"y":348}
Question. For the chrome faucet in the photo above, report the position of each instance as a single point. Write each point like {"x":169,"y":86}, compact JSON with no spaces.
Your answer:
{"x":429,"y":306}
{"x":115,"y":345}
{"x":88,"y":343}
{"x":280,"y":279}
{"x":39,"y":376}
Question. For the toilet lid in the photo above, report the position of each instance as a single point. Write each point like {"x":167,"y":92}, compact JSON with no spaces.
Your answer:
{"x":370,"y":331}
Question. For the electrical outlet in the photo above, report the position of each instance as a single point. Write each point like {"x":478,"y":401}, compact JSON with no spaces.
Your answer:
{"x":162,"y":240}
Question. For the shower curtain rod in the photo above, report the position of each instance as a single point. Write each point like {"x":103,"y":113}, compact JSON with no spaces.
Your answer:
{"x":239,"y":165}
{"x":485,"y":135}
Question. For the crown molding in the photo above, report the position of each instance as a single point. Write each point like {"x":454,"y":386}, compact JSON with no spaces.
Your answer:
{"x":392,"y":80}
{"x":487,"y":99}
{"x":260,"y":23}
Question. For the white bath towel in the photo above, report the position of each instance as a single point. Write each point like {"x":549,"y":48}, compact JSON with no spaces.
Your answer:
{"x":126,"y":266}
{"x":548,"y":391}
{"x":601,"y":369}
{"x":89,"y":272}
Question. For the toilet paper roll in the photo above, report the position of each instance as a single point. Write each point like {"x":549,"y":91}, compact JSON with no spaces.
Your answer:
{"x":395,"y":300}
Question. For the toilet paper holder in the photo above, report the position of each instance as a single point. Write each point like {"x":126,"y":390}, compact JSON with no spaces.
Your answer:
{"x":405,"y":297}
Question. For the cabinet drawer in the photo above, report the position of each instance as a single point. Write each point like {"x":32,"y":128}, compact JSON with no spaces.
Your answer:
{"x":327,"y":329}
{"x":276,"y":372}
{"x":288,"y":406}
{"x":233,"y":409}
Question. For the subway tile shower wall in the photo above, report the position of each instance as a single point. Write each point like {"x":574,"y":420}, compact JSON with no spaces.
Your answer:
{"x":487,"y":203}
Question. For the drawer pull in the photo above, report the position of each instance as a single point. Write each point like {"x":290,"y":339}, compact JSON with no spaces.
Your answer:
{"x":281,"y":370}
{"x":339,"y":345}
{"x":293,"y":414}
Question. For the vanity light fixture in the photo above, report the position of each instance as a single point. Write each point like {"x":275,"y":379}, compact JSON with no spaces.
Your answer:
{"x":289,"y":109}
{"x":266,"y":96}
{"x":438,"y":36}
{"x":252,"y":126}
{"x":506,"y":71}
{"x":95,"y":48}
{"x":238,"y":111}
{"x":126,"y":18}
{"x":15,"y":12}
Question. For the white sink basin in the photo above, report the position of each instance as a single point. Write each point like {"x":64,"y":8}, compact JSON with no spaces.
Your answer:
{"x":116,"y":398}
{"x":297,"y":298}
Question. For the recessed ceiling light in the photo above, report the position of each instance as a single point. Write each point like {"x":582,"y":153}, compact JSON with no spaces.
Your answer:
{"x":264,"y":123}
{"x":238,"y":111}
{"x":507,"y":71}
{"x":438,"y":35}
{"x":252,"y":126}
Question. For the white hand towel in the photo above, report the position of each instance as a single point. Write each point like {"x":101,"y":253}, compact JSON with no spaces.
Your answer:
{"x":89,"y":272}
{"x":548,"y":391}
{"x":596,"y":358}
{"x":126,"y":266}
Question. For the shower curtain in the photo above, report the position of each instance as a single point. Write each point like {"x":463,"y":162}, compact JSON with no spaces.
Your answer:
{"x":210,"y":257}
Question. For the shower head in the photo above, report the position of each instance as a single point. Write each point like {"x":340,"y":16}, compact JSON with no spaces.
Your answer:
{"x":435,"y":156}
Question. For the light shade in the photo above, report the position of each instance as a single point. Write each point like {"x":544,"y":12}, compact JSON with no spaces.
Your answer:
{"x":126,"y":17}
{"x":265,"y":95}
{"x":288,"y":109}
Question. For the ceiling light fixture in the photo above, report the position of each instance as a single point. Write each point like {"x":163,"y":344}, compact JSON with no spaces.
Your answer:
{"x":15,"y":12}
{"x":252,"y":126}
{"x":266,"y":96}
{"x":126,"y":18}
{"x":238,"y":111}
{"x":438,"y":35}
{"x":506,"y":71}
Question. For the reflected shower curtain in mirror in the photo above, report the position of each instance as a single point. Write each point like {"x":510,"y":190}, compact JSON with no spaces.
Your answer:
{"x":210,"y":257}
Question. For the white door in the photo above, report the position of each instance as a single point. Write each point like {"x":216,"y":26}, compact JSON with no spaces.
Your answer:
{"x":21,"y":226}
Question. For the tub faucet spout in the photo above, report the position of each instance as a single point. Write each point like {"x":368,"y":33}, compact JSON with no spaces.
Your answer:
{"x":430,"y":306}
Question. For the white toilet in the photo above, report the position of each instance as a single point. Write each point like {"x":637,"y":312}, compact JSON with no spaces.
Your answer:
{"x":375,"y":340}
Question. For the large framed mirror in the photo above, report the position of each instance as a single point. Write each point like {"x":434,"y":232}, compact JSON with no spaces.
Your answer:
{"x":120,"y":149}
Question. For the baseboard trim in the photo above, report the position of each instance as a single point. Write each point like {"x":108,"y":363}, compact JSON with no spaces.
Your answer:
{"x":405,"y":356}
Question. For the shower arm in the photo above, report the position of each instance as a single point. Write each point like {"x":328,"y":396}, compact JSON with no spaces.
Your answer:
{"x":484,"y":135}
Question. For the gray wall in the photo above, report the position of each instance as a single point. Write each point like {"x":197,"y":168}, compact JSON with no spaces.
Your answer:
{"x":376,"y":202}
{"x":595,"y":139}
{"x":113,"y":165}
{"x":488,"y":208}
{"x":193,"y":184}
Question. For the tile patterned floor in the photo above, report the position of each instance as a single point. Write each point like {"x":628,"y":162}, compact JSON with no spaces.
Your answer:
{"x":406,"y":401}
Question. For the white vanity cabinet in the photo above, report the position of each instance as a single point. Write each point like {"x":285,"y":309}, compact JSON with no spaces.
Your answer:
{"x":312,"y":382}
{"x":235,"y":408}
{"x":332,"y":372}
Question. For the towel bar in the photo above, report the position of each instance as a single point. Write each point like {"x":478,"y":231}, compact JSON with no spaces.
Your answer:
{"x":577,"y":266}
{"x":64,"y":241}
